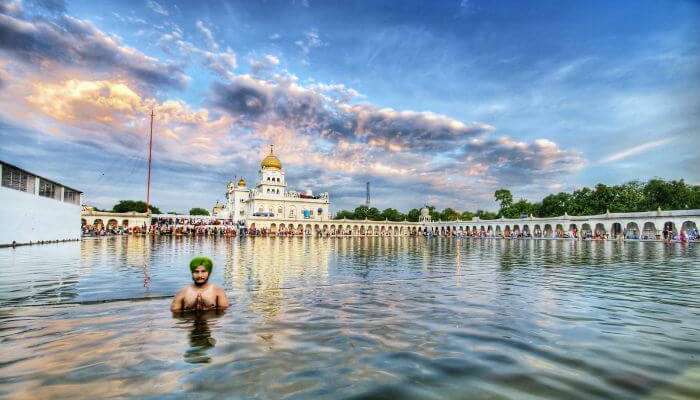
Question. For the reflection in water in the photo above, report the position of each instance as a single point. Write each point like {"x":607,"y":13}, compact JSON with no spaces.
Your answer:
{"x":200,"y":336}
{"x":407,"y":318}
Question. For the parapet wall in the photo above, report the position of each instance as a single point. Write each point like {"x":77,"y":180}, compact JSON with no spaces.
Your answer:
{"x":26,"y":217}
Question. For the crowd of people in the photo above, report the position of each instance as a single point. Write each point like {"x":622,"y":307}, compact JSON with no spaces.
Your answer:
{"x":213,"y":227}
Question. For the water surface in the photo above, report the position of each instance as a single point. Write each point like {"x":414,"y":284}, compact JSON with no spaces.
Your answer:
{"x":353,"y":318}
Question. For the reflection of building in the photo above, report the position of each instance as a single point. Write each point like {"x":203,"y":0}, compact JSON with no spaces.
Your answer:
{"x":264,"y":268}
{"x":35,"y":208}
{"x":270,"y":197}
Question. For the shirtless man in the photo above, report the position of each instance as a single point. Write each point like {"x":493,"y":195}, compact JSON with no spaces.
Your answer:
{"x":201,"y":295}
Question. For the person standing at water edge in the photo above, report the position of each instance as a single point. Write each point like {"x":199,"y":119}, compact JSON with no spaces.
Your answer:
{"x":201,"y":295}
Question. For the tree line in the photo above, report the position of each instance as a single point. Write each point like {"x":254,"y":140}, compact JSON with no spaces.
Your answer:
{"x":140,"y":206}
{"x":631,"y":196}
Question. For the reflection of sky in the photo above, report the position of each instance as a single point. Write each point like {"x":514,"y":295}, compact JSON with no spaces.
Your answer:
{"x":402,"y":95}
{"x":353,"y":314}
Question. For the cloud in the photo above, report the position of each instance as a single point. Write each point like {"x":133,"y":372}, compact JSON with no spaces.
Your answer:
{"x":52,"y":6}
{"x":317,"y":128}
{"x":10,"y":7}
{"x":157,"y":8}
{"x":208,"y":35}
{"x":635,"y":150}
{"x":264,"y":63}
{"x":311,"y":40}
{"x":72,"y":42}
{"x":513,"y":162}
{"x":223,"y":63}
{"x":314,"y":111}
{"x":114,"y":115}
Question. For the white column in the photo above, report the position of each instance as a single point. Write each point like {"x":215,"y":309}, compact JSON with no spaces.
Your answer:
{"x":36,"y":185}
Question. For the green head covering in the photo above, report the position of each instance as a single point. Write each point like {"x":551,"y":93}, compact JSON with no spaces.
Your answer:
{"x":204,"y":261}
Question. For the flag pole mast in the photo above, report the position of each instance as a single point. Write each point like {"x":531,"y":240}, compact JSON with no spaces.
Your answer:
{"x":148,"y":181}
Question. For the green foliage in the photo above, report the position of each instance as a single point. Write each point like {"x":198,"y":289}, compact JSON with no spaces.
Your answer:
{"x":344,"y":214}
{"x":374,"y":214}
{"x":361,"y":212}
{"x":199,"y":211}
{"x":486,"y":214}
{"x":133,"y":205}
{"x":392,"y":214}
{"x":627,"y":197}
{"x":413,"y":215}
{"x":504,"y":197}
{"x":449,"y":214}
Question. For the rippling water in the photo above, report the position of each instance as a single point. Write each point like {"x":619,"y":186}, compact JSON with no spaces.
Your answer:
{"x":394,"y":318}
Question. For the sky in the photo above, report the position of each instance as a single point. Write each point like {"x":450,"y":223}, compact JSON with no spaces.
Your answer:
{"x":432,"y":102}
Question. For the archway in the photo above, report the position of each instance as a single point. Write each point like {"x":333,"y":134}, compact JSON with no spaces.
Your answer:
{"x":616,"y":229}
{"x":273,"y":228}
{"x":125,"y":223}
{"x":670,"y":226}
{"x":690,"y":229}
{"x":537,"y":231}
{"x":498,"y":230}
{"x":526,"y":231}
{"x":98,"y":224}
{"x":632,"y":231}
{"x":573,"y":230}
{"x":586,"y":231}
{"x":649,"y":231}
{"x":83,"y":222}
{"x":112,"y":224}
{"x":599,"y":231}
{"x":559,"y":230}
{"x":548,"y":231}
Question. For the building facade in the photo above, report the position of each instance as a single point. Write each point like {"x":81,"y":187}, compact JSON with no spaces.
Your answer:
{"x":270,"y":198}
{"x":36,"y":209}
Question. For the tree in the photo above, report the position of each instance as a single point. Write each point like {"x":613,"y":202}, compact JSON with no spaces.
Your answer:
{"x":519,"y":209}
{"x":467,"y":215}
{"x":374,"y":214}
{"x":504,"y":197}
{"x":344,"y":214}
{"x":199,"y":211}
{"x":392,"y":214}
{"x":554,"y":205}
{"x":486,"y":214}
{"x":449,"y":214}
{"x":413,"y":215}
{"x":133,"y":206}
{"x":361,"y":212}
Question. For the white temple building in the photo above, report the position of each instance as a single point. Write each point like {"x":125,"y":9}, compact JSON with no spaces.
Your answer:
{"x":270,"y":198}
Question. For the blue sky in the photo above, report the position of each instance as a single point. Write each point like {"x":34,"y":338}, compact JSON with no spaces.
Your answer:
{"x":432,"y":102}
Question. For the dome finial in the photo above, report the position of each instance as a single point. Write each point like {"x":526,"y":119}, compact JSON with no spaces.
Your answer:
{"x":271,"y":161}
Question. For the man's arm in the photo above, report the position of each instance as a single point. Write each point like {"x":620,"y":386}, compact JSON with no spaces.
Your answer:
{"x":221,"y":299}
{"x":178,"y":302}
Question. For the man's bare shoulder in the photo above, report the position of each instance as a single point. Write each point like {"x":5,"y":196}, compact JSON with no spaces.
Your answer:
{"x":182,"y":291}
{"x":218,"y":289}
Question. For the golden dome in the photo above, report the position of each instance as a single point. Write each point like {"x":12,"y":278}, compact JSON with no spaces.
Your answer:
{"x":241,"y":182}
{"x":271,"y":161}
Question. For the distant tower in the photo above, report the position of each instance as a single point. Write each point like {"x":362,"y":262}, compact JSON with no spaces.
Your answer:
{"x":367,"y":200}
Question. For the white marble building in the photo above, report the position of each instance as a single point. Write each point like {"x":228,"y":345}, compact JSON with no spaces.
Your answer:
{"x":271,"y":199}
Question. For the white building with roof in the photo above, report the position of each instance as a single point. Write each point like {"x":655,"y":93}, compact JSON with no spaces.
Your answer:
{"x":36,"y":209}
{"x":270,"y":198}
